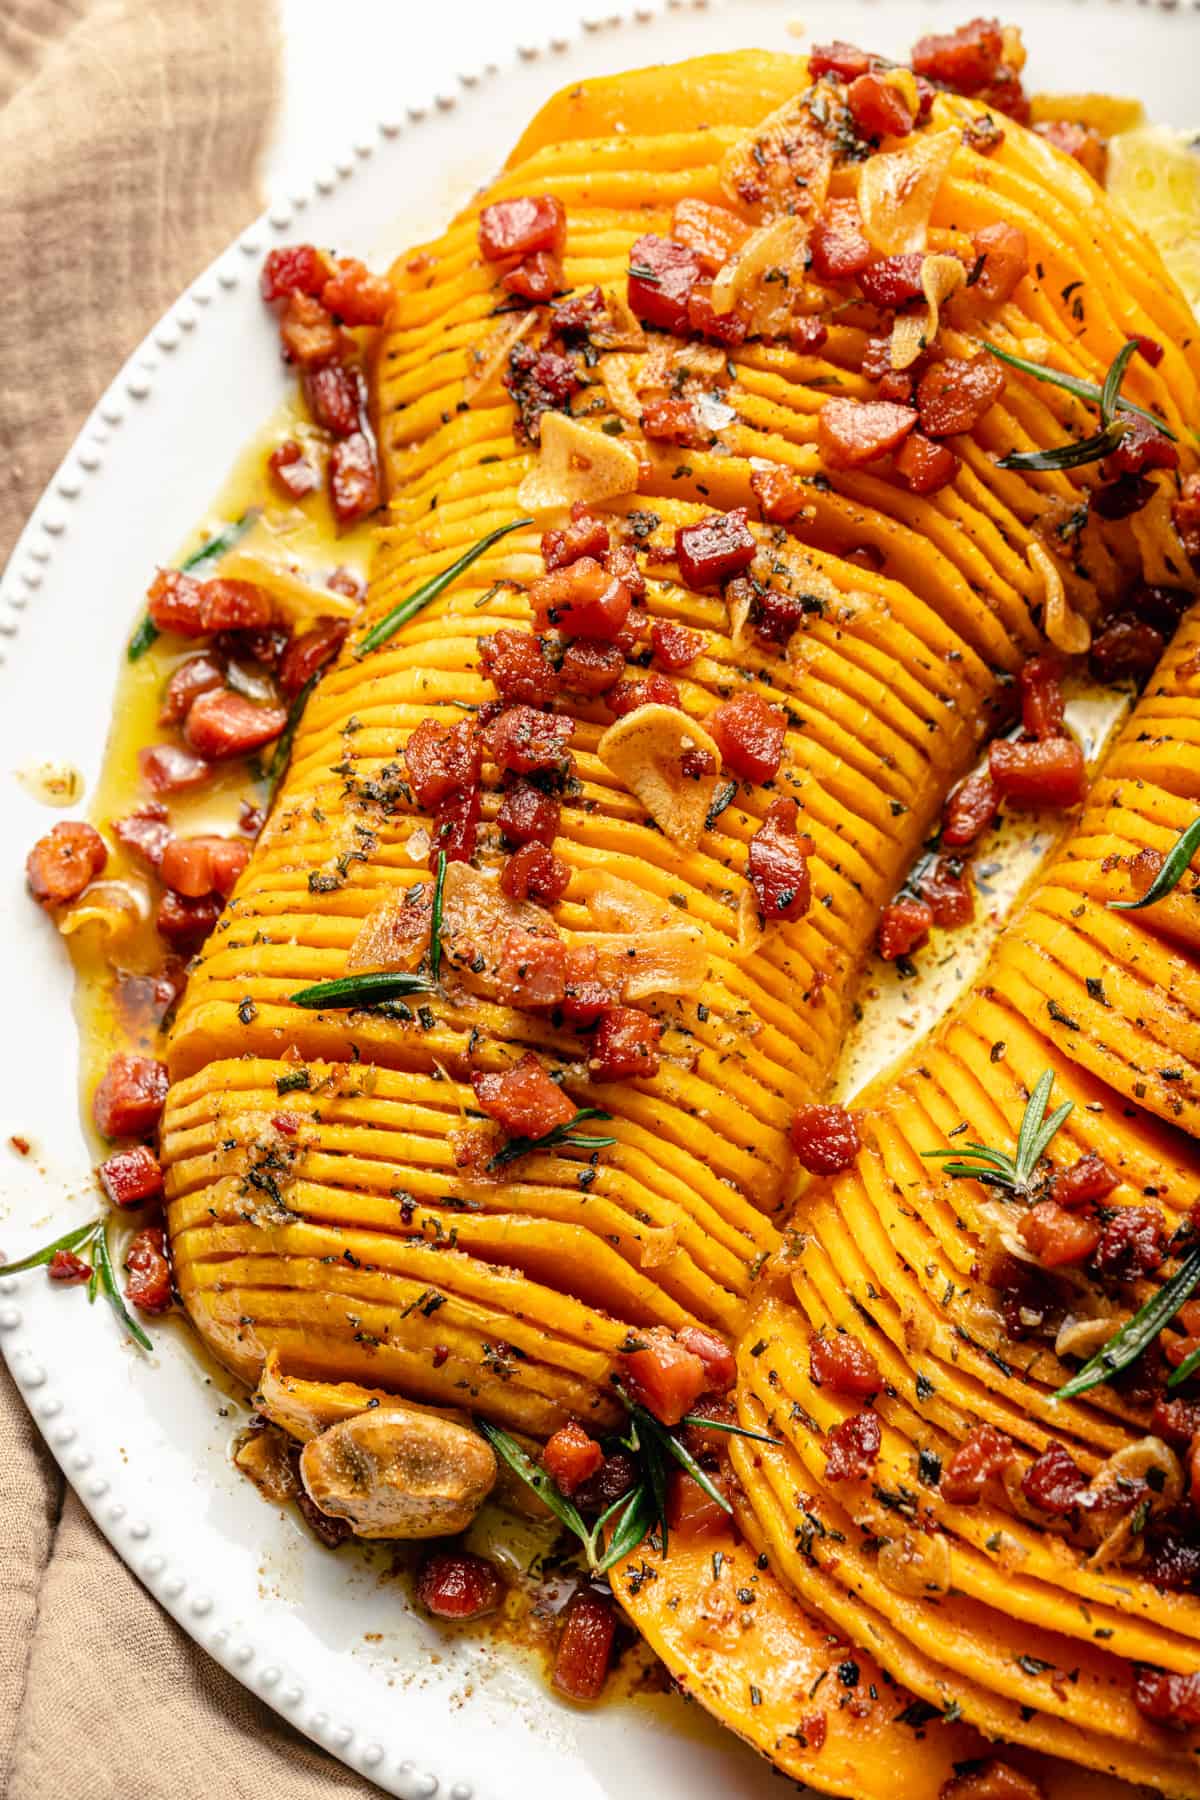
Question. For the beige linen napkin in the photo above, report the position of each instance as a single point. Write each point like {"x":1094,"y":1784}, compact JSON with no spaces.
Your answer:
{"x":129,"y":138}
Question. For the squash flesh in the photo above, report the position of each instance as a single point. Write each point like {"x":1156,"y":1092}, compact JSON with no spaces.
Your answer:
{"x":889,"y":1251}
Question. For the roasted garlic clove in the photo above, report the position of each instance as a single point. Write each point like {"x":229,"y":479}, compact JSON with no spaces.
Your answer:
{"x":396,"y":1472}
{"x":264,"y":1457}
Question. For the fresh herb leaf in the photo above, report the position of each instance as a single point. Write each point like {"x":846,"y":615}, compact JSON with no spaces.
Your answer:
{"x":636,"y":1519}
{"x":1187,"y":1367}
{"x":722,"y":797}
{"x":547,"y":1490}
{"x":70,"y":1240}
{"x":1172,"y":872}
{"x":647,"y":1444}
{"x":561,"y":1134}
{"x":1138,"y":1333}
{"x":360,"y":992}
{"x":219,"y":542}
{"x":997,"y":1168}
{"x":435,"y":918}
{"x":1110,"y":393}
{"x":1073,"y":384}
{"x":147,"y":633}
{"x":758,"y":1437}
{"x":1036,"y":1131}
{"x":1067,"y":456}
{"x":112,"y":1293}
{"x":281,"y":756}
{"x":634,"y":1512}
{"x":91,"y":1240}
{"x":429,"y":590}
{"x":632,"y":1516}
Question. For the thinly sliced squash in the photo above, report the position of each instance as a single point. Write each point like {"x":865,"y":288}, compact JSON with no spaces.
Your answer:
{"x":362,"y":1253}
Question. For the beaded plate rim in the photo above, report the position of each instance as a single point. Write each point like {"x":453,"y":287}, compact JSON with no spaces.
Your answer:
{"x":123,"y":413}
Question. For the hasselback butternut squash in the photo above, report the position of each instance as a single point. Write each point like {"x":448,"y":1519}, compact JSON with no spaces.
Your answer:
{"x":896,"y":1257}
{"x":328,"y":1208}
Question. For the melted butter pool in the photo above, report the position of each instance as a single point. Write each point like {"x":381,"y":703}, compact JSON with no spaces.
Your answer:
{"x":896,"y":1011}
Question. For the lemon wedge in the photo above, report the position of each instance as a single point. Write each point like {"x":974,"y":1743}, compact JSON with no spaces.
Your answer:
{"x":1105,"y":113}
{"x":1154,"y":177}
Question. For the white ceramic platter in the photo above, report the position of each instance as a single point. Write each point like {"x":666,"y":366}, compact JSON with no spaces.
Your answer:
{"x":144,"y":1440}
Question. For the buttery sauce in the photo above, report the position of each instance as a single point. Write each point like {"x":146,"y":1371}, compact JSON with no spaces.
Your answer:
{"x":898,"y":1003}
{"x":119,"y":1007}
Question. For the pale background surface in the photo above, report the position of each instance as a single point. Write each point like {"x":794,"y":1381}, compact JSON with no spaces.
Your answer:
{"x":435,"y":41}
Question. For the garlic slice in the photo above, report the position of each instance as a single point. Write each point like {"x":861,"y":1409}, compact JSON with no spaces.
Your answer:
{"x":304,"y":1408}
{"x":622,"y":377}
{"x":1110,"y":1520}
{"x":1065,"y":628}
{"x":614,"y":904}
{"x":116,"y":908}
{"x":394,"y":935}
{"x":644,"y":751}
{"x":575,"y":463}
{"x":782,"y":164}
{"x":619,"y":328}
{"x":739,"y":601}
{"x":897,"y":190}
{"x":477,"y":917}
{"x":487,"y":362}
{"x":264,"y":1458}
{"x":916,"y":1563}
{"x":295,"y":598}
{"x":669,"y":960}
{"x":941,"y":276}
{"x":778,"y":245}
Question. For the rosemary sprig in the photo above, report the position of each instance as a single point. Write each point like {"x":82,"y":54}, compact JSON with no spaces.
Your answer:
{"x":561,"y":1134}
{"x":1138,"y":1333}
{"x":361,"y":992}
{"x":631,"y":1516}
{"x":997,"y":1168}
{"x":657,"y":1444}
{"x":281,"y":756}
{"x":1067,"y":456}
{"x":1187,"y":1367}
{"x":1174,"y":869}
{"x":644,"y":1509}
{"x":1108,"y":398}
{"x":702,"y":1424}
{"x":429,"y":590}
{"x":147,"y":631}
{"x":90,"y":1240}
{"x":112,"y":1293}
{"x":1110,"y":393}
{"x":435,"y":918}
{"x":1075,"y":384}
{"x":70,"y":1240}
{"x":358,"y":993}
